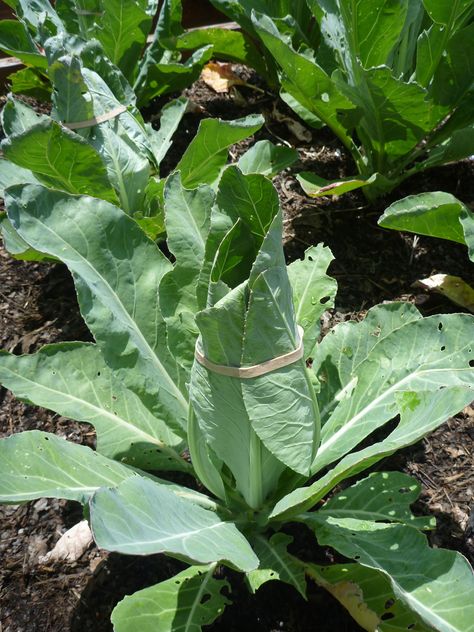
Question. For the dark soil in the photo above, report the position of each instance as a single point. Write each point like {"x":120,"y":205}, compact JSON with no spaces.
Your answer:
{"x":38,"y":306}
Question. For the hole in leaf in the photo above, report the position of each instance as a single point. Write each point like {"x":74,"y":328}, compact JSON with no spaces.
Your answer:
{"x":404,"y":490}
{"x":389,"y":603}
{"x":205,"y":598}
{"x":387,"y":615}
{"x":443,"y":348}
{"x":325,"y":299}
{"x":440,"y":326}
{"x":471,"y":363}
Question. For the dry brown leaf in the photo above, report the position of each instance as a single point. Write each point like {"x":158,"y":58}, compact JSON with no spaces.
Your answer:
{"x":71,"y":545}
{"x":220,"y":77}
{"x":453,"y":287}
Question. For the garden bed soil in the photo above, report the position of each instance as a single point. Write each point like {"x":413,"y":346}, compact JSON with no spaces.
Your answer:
{"x":372,"y":265}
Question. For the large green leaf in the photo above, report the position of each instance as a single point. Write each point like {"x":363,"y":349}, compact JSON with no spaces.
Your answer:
{"x":11,"y":174}
{"x":206,"y":155}
{"x":313,"y":291}
{"x":253,"y":323}
{"x":37,"y":464}
{"x":17,"y":117}
{"x":16,"y":41}
{"x":117,"y":271}
{"x":73,"y":380}
{"x":448,"y":13}
{"x":437,"y":584}
{"x":362,"y":30}
{"x":59,"y":158}
{"x":433,"y":409}
{"x":348,"y":344}
{"x":187,"y":217}
{"x":276,"y":563}
{"x":368,"y":597}
{"x":424,"y":355}
{"x":381,"y":497}
{"x":305,"y":80}
{"x":142,"y":517}
{"x":436,"y":214}
{"x":183,"y":603}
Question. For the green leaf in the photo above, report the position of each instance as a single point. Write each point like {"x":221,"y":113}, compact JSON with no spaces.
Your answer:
{"x":17,"y":117}
{"x":17,"y":42}
{"x":16,"y":246}
{"x":11,"y":174}
{"x":435,"y":583}
{"x":267,"y":159}
{"x":305,"y":80}
{"x":59,"y":158}
{"x":72,"y":101}
{"x":381,"y":497}
{"x":30,"y":83}
{"x":447,"y":13}
{"x":37,"y":464}
{"x":73,"y":380}
{"x":36,"y":12}
{"x":276,"y":564}
{"x":206,"y":155}
{"x":416,"y":421}
{"x":436,"y":214}
{"x":431,"y":353}
{"x":348,"y":344}
{"x":171,"y":76}
{"x":226,"y":44}
{"x":142,"y":517}
{"x":171,"y":116}
{"x":187,"y":217}
{"x":313,"y":291}
{"x":187,"y":601}
{"x":451,"y":80}
{"x":368,"y":29}
{"x":315,"y":186}
{"x":117,"y":285}
{"x":368,"y":597}
{"x":458,"y":146}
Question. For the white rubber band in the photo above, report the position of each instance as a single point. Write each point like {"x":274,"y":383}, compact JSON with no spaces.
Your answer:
{"x":248,"y":372}
{"x":97,"y":119}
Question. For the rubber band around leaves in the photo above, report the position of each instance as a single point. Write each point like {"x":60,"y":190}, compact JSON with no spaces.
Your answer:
{"x":248,"y":372}
{"x":107,"y":116}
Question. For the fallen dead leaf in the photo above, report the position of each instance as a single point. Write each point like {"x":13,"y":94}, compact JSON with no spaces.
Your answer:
{"x":71,"y":545}
{"x":220,"y":77}
{"x":453,"y":287}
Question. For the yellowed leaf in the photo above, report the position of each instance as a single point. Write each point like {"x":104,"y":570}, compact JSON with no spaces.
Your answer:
{"x":351,"y":597}
{"x":453,"y":287}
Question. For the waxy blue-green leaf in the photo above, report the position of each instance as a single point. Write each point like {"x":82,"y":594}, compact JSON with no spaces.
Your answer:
{"x":253,"y":323}
{"x":437,"y":584}
{"x":61,"y":159}
{"x":424,"y":355}
{"x":17,"y":117}
{"x":436,"y":214}
{"x":17,"y":42}
{"x":276,"y":563}
{"x":71,"y":97}
{"x":381,"y":497}
{"x":206,"y":155}
{"x":348,"y":344}
{"x":11,"y":174}
{"x":73,"y":380}
{"x":37,"y":464}
{"x":34,"y":12}
{"x":313,"y":291}
{"x":431,"y":411}
{"x":142,"y":517}
{"x":267,"y":159}
{"x":368,"y":597}
{"x":183,"y":603}
{"x":187,"y":220}
{"x":117,"y":271}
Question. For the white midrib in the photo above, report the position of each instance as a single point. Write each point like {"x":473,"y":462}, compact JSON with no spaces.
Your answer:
{"x":325,"y":445}
{"x":130,"y":324}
